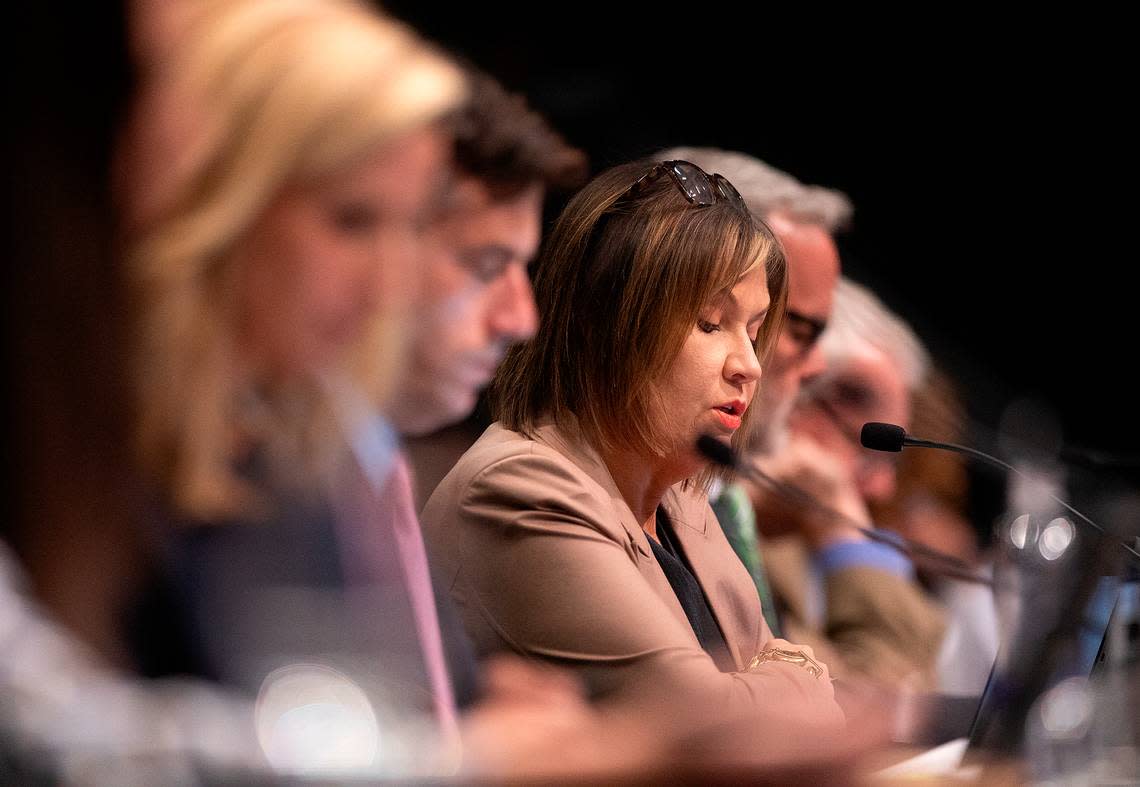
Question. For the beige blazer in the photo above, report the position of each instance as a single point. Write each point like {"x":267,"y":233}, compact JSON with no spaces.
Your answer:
{"x":544,"y":557}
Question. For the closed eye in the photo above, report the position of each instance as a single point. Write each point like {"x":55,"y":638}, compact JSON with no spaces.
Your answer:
{"x":754,"y":327}
{"x":708,"y":327}
{"x":486,"y":263}
{"x":803,"y":330}
{"x":354,"y":217}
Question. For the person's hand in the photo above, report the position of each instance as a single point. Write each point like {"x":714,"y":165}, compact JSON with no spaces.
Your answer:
{"x":805,"y":465}
{"x":533,"y":722}
{"x":927,"y":521}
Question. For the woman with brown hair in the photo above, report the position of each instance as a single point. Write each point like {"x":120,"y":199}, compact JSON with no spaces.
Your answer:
{"x":577,"y":529}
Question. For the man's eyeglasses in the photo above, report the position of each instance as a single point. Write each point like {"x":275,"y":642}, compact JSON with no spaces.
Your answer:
{"x":856,"y":400}
{"x":699,"y":187}
{"x":804,"y":331}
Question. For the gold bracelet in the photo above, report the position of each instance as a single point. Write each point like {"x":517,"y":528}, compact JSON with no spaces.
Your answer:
{"x":797,"y":657}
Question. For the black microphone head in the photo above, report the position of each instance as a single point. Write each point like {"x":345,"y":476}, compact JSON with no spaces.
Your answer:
{"x":716,"y":451}
{"x":882,"y":437}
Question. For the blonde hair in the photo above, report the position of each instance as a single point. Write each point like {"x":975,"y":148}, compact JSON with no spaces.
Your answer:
{"x":279,"y":92}
{"x":620,"y":282}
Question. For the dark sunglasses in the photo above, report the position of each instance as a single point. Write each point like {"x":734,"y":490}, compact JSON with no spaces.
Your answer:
{"x":699,"y":187}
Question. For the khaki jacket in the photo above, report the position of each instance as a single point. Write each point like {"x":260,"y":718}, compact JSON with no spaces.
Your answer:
{"x":876,"y":624}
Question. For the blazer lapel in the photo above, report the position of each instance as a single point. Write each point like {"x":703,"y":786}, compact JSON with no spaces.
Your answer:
{"x":732,"y":597}
{"x":586,"y":458}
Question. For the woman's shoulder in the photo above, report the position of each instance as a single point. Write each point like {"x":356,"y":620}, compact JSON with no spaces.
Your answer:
{"x":513,"y":463}
{"x":499,"y":446}
{"x":548,"y":448}
{"x":508,"y":481}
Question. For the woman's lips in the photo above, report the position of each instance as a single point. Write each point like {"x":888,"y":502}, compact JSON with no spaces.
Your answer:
{"x":730,"y":421}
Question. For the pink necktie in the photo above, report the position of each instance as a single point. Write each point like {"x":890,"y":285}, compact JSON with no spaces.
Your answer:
{"x":390,"y":524}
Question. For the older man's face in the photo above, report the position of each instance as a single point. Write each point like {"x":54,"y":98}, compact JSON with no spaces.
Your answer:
{"x":834,"y":407}
{"x":813,"y":271}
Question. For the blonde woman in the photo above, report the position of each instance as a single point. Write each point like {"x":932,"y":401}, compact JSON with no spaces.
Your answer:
{"x":286,"y":157}
{"x":277,"y":158}
{"x":283,"y":165}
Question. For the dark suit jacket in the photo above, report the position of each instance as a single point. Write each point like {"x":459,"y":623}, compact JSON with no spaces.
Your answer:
{"x":235,"y":600}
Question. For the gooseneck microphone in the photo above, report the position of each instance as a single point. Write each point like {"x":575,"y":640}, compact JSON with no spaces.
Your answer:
{"x":882,"y":437}
{"x":891,"y":437}
{"x":717,"y":452}
{"x":932,"y":560}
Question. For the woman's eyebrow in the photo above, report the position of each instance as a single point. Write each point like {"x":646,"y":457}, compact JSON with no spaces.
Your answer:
{"x":760,"y":315}
{"x":730,"y":297}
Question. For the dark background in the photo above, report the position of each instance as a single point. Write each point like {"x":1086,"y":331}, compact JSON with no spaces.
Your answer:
{"x":984,"y":157}
{"x":989,"y":158}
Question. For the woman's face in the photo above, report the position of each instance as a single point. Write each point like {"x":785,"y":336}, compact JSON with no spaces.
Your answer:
{"x":327,"y":257}
{"x":714,"y":378}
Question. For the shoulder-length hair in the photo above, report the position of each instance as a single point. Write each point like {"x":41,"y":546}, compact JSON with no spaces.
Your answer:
{"x":256,"y":96}
{"x":620,"y":283}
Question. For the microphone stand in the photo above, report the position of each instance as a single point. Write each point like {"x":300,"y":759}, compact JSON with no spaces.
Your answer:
{"x":1058,"y":599}
{"x":930,"y":560}
{"x":993,"y":460}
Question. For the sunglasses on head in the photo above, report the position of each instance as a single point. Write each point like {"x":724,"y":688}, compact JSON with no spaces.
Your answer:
{"x":699,"y":187}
